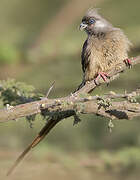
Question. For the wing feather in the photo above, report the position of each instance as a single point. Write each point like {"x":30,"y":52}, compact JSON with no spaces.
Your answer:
{"x":85,"y":56}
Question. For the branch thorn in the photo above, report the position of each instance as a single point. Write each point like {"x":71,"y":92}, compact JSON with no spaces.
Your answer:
{"x":50,"y":89}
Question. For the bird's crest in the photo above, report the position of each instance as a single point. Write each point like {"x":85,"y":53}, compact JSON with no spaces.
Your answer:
{"x":92,"y":12}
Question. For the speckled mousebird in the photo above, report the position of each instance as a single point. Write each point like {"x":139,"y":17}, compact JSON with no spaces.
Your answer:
{"x":105,"y":47}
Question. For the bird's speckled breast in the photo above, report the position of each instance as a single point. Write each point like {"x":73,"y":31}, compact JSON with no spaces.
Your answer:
{"x":104,"y":52}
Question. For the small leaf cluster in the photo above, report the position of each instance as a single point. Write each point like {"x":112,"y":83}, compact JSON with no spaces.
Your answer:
{"x":105,"y":103}
{"x":14,"y":93}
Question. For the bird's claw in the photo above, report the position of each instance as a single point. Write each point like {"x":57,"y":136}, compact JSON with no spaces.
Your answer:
{"x":102,"y":75}
{"x":128,"y":63}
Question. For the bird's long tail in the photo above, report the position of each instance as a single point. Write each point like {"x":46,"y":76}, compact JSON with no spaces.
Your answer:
{"x":44,"y":131}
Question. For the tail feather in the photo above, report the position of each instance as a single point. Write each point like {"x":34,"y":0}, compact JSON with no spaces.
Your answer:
{"x":44,"y":131}
{"x":19,"y":159}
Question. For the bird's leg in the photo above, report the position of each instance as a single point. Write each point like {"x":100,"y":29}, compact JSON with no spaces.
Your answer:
{"x":102,"y":75}
{"x":128,"y":63}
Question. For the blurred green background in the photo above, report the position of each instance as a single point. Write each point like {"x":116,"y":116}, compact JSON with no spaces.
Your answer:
{"x":40,"y":43}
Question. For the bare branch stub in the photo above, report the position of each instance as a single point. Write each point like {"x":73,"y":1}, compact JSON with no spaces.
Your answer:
{"x":50,"y":89}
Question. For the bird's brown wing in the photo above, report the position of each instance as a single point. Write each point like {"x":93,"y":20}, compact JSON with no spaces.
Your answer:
{"x":85,"y":56}
{"x":44,"y":131}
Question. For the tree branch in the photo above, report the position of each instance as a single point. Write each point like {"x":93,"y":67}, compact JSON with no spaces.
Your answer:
{"x":36,"y":107}
{"x":78,"y":102}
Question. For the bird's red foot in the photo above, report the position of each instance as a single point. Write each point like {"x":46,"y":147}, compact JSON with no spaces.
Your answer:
{"x":128,"y":63}
{"x":102,"y":75}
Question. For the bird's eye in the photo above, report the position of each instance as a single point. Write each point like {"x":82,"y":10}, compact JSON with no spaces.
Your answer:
{"x":84,"y":22}
{"x":91,"y":21}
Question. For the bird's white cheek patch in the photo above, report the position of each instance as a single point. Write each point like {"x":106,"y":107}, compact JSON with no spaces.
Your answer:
{"x":99,"y":24}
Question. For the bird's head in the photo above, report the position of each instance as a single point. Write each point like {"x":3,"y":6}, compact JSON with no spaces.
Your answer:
{"x":93,"y":23}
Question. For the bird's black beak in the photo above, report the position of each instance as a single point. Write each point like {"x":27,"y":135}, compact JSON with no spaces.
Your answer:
{"x":82,"y":26}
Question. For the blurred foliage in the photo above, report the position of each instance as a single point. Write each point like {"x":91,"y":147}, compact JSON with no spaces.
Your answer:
{"x":8,"y":54}
{"x":123,"y":161}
